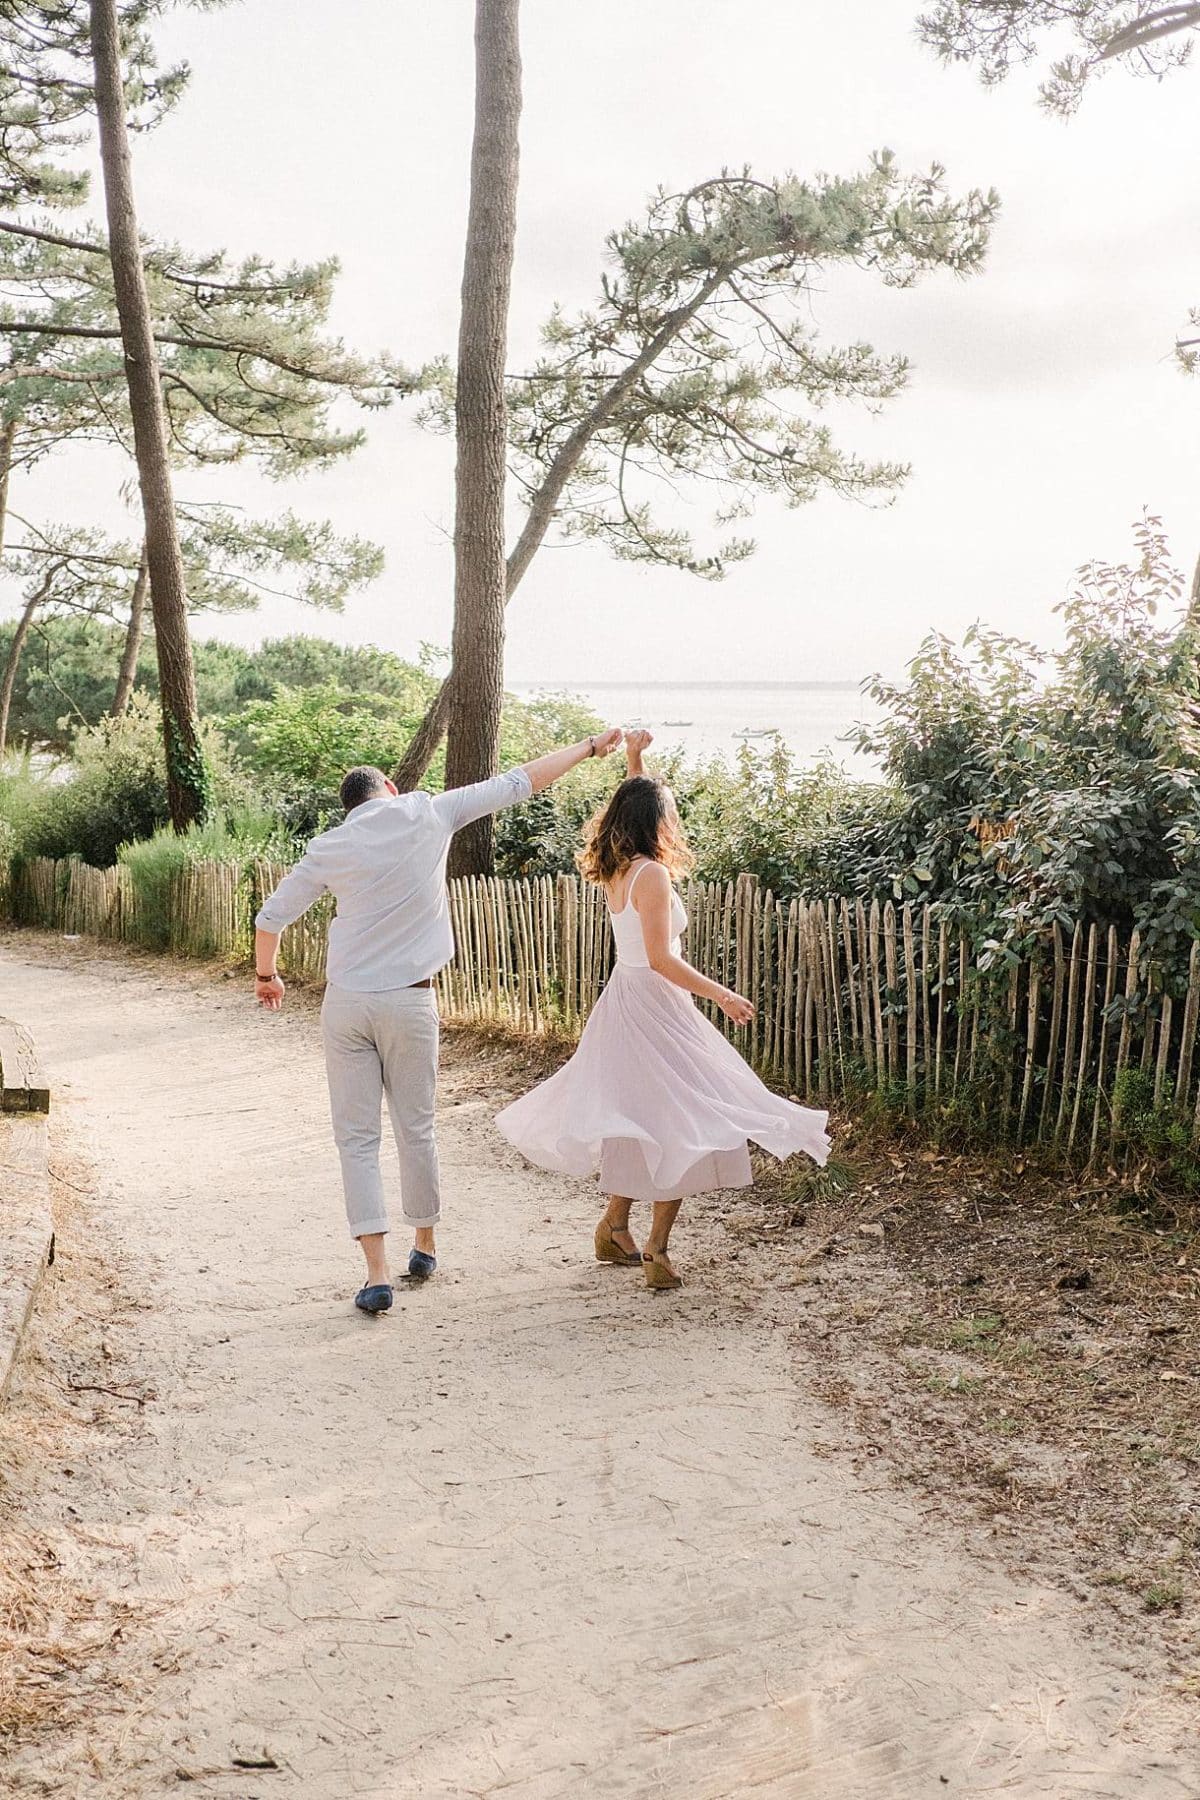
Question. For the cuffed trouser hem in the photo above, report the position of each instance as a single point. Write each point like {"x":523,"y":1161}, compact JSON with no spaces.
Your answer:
{"x":373,"y":1228}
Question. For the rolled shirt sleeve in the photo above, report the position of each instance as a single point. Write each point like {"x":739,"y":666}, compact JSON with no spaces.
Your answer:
{"x":294,"y":895}
{"x":462,"y":806}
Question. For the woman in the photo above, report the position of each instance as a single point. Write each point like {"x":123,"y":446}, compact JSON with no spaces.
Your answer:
{"x":654,"y":1097}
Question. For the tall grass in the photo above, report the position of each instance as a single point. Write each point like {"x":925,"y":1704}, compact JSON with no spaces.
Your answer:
{"x":154,"y":862}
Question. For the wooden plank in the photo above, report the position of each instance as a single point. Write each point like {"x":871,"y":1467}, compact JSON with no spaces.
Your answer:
{"x":943,"y":978}
{"x":861,"y":944}
{"x":1130,"y":994}
{"x":926,"y":1004}
{"x":834,"y":988}
{"x":758,"y":973}
{"x":805,"y":1051}
{"x":873,"y":934}
{"x":1032,"y":1018}
{"x":1056,"y":1014}
{"x":817,"y":990}
{"x":1085,"y":1032}
{"x":1111,"y":961}
{"x":1074,"y":978}
{"x":768,"y":963}
{"x":892,"y":977}
{"x":911,"y":1013}
{"x":1187,"y":1042}
{"x":1164,"y":1046}
{"x":23,"y":1084}
{"x":1014,"y":986}
{"x":852,"y":983}
{"x":960,"y":1011}
{"x":790,"y":986}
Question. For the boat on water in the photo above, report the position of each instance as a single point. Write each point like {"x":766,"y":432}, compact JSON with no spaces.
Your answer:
{"x":764,"y":731}
{"x":675,"y":724}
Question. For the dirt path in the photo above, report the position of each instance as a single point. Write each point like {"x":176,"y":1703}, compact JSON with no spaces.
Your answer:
{"x":537,"y":1534}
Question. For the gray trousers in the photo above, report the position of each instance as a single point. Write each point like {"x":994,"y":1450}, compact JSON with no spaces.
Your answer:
{"x":377,"y":1045}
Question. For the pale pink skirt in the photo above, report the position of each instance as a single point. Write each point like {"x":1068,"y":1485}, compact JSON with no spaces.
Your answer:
{"x":656,"y":1102}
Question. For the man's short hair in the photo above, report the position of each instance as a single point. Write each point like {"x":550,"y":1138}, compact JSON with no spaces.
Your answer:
{"x":363,"y":783}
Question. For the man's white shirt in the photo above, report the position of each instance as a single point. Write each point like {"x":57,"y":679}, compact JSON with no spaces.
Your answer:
{"x":386,"y":868}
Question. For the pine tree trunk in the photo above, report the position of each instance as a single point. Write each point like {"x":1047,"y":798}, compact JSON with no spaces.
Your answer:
{"x":429,"y":733}
{"x":424,"y":743}
{"x":127,"y":673}
{"x":12,"y":661}
{"x":186,"y":783}
{"x":8,"y":437}
{"x":477,"y":645}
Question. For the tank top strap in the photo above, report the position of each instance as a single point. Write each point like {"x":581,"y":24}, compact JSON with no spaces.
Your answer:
{"x":633,"y":883}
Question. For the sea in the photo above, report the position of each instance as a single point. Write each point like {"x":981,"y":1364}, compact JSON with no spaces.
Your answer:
{"x":717,"y":719}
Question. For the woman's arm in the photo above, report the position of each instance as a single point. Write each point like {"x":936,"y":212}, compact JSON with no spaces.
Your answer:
{"x":652,"y":903}
{"x":636,"y":744}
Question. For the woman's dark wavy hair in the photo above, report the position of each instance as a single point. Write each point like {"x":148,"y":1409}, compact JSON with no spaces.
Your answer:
{"x":638,"y":821}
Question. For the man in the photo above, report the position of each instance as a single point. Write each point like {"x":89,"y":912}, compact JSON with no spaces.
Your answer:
{"x":386,"y":868}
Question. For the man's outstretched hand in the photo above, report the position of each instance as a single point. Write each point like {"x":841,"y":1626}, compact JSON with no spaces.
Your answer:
{"x":608,"y":741}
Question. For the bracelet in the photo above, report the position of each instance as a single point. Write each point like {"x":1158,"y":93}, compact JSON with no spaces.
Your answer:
{"x":592,"y":745}
{"x":259,"y":977}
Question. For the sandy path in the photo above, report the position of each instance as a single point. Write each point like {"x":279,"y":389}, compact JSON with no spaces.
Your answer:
{"x":538,"y":1534}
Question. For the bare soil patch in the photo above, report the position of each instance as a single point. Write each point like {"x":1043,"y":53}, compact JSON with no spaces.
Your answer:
{"x":1024,"y":1348}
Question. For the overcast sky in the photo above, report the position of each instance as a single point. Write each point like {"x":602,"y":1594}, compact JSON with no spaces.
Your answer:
{"x":1044,"y":410}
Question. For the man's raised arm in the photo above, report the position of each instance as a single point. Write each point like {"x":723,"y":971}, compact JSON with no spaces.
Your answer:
{"x":546,"y":770}
{"x":461,"y":806}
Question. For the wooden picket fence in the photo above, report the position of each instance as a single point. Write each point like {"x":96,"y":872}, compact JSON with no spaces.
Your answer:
{"x":848,"y":997}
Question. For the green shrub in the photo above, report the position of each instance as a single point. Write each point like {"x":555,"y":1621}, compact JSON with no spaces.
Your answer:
{"x":1031,"y":788}
{"x":115,"y":791}
{"x":304,"y":739}
{"x":797,"y":829}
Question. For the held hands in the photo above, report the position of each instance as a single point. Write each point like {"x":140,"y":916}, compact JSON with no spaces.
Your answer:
{"x":269,"y":993}
{"x":734,"y":1007}
{"x":605,"y":742}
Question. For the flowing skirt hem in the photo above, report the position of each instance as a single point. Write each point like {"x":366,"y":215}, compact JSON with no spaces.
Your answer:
{"x":656,"y":1101}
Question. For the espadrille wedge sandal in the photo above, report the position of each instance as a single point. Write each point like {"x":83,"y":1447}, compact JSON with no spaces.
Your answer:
{"x":659,"y":1273}
{"x":609,"y":1251}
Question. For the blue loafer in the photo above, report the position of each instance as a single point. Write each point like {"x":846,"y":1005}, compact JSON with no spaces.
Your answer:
{"x":421,"y":1265}
{"x":374,"y":1299}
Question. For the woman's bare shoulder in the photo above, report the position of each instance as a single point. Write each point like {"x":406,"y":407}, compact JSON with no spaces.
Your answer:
{"x":653,"y":880}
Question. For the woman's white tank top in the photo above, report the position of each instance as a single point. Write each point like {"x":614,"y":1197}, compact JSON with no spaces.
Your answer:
{"x":627,"y":926}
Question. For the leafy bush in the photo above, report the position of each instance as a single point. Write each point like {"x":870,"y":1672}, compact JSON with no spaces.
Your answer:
{"x":1031,"y":788}
{"x":116,"y":790}
{"x":797,"y":829}
{"x":305,"y":738}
